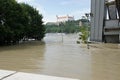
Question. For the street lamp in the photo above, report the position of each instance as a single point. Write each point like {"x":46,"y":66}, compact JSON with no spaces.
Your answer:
{"x":87,"y":15}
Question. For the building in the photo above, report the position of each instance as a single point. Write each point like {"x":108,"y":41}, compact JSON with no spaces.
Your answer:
{"x":105,"y":21}
{"x":64,"y":18}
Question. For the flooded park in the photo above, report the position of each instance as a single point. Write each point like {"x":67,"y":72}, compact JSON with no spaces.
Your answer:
{"x":60,"y":55}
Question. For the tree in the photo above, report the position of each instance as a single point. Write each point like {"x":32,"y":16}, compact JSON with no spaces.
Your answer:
{"x":66,"y":27}
{"x":18,"y":21}
{"x":35,"y":28}
{"x":84,"y":32}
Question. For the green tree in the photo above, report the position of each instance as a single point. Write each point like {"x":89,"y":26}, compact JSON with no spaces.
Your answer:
{"x":18,"y":21}
{"x":84,"y":32}
{"x":71,"y":27}
{"x":35,"y":28}
{"x":65,"y":27}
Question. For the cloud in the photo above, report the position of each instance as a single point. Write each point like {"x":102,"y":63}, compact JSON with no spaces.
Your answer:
{"x":79,"y":13}
{"x":49,"y":18}
{"x":36,"y":4}
{"x":69,"y":2}
{"x":66,"y":2}
{"x":40,"y":8}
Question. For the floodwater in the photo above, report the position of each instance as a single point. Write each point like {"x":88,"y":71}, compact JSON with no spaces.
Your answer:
{"x":63,"y":58}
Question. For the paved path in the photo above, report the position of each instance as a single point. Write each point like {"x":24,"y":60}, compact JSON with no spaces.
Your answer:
{"x":13,"y":75}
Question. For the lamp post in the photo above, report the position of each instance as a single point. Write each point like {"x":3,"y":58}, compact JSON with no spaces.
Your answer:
{"x":87,"y":15}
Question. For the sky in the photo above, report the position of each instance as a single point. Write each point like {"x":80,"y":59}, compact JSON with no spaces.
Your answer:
{"x":50,"y":8}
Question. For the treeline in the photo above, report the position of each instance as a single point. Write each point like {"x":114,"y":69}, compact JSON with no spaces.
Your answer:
{"x":64,"y":27}
{"x":19,"y":21}
{"x":53,"y":28}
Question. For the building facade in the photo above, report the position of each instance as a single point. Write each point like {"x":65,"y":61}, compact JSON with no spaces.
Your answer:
{"x":64,"y":18}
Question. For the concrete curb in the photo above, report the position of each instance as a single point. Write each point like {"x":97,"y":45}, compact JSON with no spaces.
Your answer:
{"x":13,"y":75}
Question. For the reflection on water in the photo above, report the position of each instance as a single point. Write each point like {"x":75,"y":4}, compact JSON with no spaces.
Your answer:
{"x":66,"y":59}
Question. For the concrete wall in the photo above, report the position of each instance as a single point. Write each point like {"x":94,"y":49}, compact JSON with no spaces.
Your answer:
{"x":112,"y":31}
{"x":97,"y":20}
{"x":112,"y":38}
{"x":111,"y":23}
{"x":105,"y":24}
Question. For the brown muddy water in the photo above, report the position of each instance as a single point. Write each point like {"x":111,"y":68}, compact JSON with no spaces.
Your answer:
{"x":64,"y":59}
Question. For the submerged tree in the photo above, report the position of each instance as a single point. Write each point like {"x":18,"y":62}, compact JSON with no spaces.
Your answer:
{"x":18,"y":21}
{"x":35,"y":28}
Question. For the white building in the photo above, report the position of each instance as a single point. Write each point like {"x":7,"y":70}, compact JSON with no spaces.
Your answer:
{"x":64,"y":18}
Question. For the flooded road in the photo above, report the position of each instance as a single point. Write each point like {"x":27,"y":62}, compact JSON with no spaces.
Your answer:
{"x":64,"y":59}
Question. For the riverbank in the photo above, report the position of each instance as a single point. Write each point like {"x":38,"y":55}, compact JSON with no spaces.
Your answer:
{"x":101,"y":45}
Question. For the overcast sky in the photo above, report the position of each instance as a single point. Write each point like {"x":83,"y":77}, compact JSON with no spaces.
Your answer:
{"x":50,"y":8}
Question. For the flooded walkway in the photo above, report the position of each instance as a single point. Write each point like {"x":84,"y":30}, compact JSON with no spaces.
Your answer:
{"x":13,"y":75}
{"x":63,"y":59}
